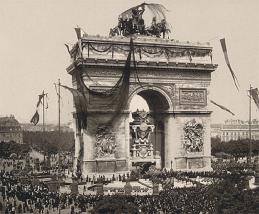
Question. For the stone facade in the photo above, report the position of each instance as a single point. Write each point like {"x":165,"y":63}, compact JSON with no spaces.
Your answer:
{"x":174,"y":80}
{"x":10,"y":130}
{"x":235,"y":130}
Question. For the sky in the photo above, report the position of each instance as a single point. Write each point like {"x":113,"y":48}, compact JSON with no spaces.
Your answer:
{"x":33,"y":56}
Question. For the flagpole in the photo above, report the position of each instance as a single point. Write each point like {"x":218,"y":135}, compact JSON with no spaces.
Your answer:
{"x":250,"y":115}
{"x":59,"y":133}
{"x":43,"y":116}
{"x":43,"y":122}
{"x":59,"y":106}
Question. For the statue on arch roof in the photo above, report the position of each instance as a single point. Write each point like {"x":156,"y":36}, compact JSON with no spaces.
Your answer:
{"x":132,"y":22}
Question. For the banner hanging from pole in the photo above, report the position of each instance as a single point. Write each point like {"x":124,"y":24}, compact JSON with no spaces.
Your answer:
{"x":222,"y":107}
{"x":224,"y":48}
{"x":35,"y":119}
{"x":40,"y":98}
{"x":255,"y":95}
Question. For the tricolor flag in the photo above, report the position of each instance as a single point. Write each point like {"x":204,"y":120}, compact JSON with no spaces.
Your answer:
{"x":36,"y":116}
{"x":255,"y":95}
{"x":224,"y":48}
{"x":222,"y":107}
{"x":35,"y":119}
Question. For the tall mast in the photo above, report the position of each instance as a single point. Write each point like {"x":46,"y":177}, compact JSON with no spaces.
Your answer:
{"x":43,"y":111}
{"x":250,"y":114}
{"x":59,"y":106}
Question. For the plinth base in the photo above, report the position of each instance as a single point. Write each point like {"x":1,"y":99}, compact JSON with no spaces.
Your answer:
{"x":103,"y":166}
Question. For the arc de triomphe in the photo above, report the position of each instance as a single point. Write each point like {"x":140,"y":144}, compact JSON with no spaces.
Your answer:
{"x":175,"y":82}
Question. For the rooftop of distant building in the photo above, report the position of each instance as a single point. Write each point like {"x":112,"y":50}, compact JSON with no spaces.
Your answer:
{"x":9,"y":121}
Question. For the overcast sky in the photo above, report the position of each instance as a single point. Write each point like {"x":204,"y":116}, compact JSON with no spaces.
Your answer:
{"x":33,"y":55}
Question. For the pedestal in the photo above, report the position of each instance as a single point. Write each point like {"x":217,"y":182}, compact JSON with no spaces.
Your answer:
{"x":74,"y":188}
{"x":128,"y":188}
{"x":155,"y":189}
{"x":99,"y":189}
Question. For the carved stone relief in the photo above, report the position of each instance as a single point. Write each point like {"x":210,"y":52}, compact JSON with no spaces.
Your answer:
{"x":105,"y":142}
{"x":193,"y":136}
{"x":193,"y":96}
{"x":169,"y":89}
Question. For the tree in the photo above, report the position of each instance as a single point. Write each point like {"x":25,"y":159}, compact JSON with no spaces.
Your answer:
{"x":50,"y":142}
{"x":8,"y":148}
{"x":237,"y":148}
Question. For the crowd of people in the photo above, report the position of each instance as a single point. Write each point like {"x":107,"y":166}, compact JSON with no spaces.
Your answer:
{"x":20,"y":197}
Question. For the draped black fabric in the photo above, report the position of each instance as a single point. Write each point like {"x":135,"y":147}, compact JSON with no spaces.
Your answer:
{"x":116,"y":97}
{"x":101,"y":51}
{"x":80,"y":103}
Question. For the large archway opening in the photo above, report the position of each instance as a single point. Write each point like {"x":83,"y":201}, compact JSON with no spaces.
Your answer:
{"x":156,"y":104}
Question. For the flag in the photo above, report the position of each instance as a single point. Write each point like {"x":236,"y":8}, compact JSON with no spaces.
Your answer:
{"x":40,"y":97}
{"x":80,"y":48}
{"x":68,"y":49}
{"x":35,"y":119}
{"x":255,"y":95}
{"x":80,"y":106}
{"x":224,"y":48}
{"x":222,"y":107}
{"x":78,"y":97}
{"x":78,"y":32}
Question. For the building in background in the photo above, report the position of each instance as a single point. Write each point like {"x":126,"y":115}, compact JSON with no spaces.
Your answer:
{"x":48,"y":127}
{"x":235,"y":130}
{"x":10,"y":130}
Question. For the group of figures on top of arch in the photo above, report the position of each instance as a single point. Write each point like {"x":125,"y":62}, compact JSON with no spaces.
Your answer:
{"x":133,"y":23}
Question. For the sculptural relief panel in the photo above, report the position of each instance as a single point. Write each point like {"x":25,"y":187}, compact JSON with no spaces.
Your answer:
{"x":105,"y":142}
{"x":173,"y":74}
{"x":158,"y":72}
{"x":189,"y":96}
{"x":193,"y":136}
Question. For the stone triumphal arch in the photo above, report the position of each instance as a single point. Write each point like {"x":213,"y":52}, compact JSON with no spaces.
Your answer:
{"x":173,"y":77}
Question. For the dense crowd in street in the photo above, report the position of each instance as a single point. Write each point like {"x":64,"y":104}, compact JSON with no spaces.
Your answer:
{"x":19,"y":197}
